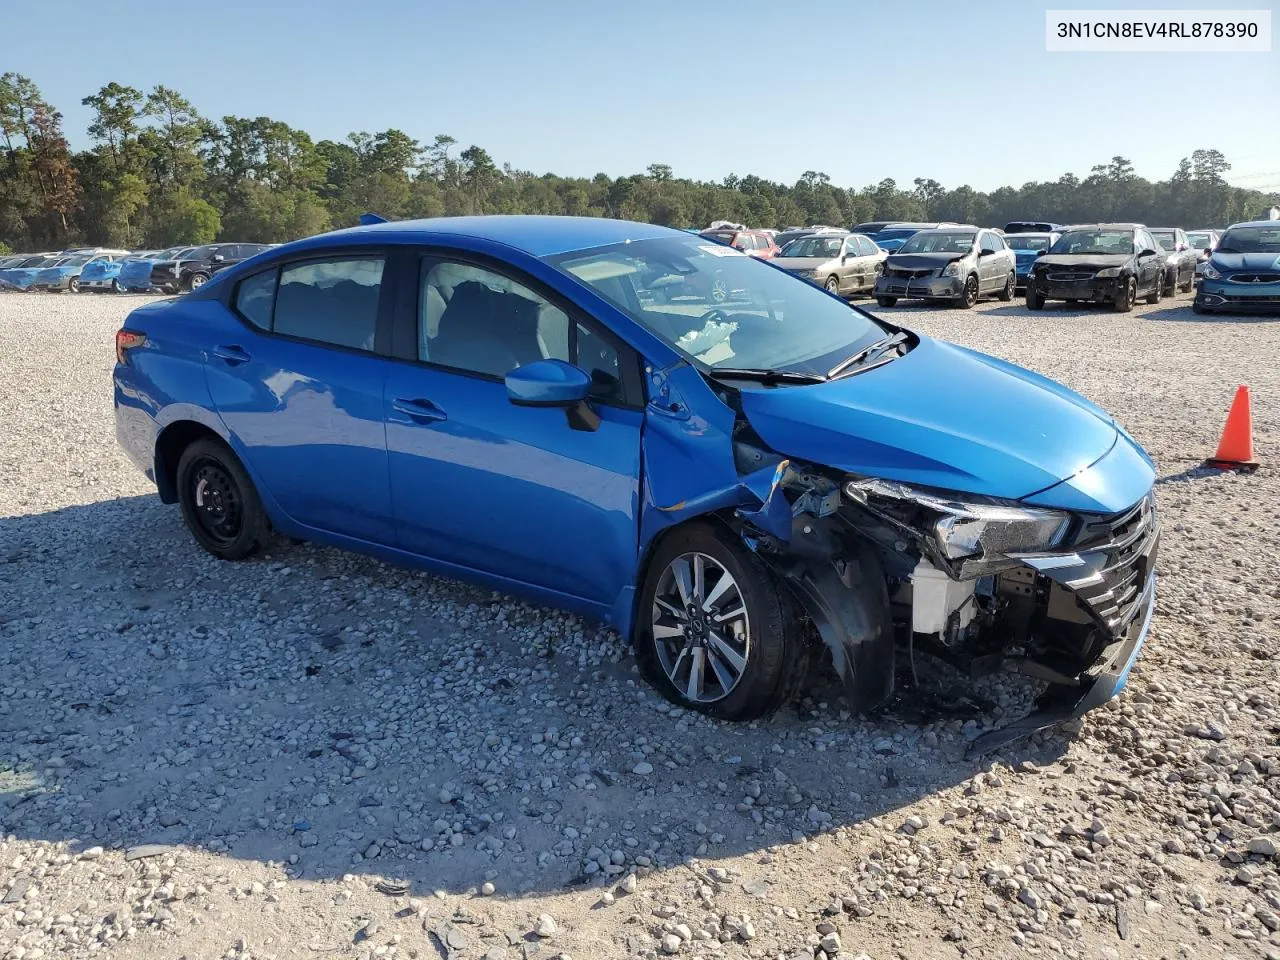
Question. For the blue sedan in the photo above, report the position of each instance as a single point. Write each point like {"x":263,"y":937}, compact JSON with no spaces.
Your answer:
{"x":732,"y":484}
{"x":1027,"y":248}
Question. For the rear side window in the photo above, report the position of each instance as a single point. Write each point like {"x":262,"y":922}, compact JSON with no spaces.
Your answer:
{"x":328,"y":301}
{"x":255,"y":298}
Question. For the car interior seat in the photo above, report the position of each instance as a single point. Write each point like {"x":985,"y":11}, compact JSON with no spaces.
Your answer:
{"x":486,"y":331}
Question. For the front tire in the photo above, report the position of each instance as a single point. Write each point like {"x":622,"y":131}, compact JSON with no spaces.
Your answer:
{"x":1127,"y":297}
{"x":116,"y":288}
{"x":1155,"y":295}
{"x":219,"y":502}
{"x":887,"y":301}
{"x":833,"y":286}
{"x":970,"y":295}
{"x":1006,"y":294}
{"x":195,"y":281}
{"x":715,"y":632}
{"x":73,"y":285}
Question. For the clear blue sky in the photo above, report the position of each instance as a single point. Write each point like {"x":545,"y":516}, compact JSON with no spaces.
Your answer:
{"x":958,"y":90}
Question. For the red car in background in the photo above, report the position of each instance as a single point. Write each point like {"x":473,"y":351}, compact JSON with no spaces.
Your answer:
{"x":755,"y":243}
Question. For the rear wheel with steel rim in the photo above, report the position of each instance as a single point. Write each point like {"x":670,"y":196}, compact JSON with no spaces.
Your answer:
{"x":714,"y":631}
{"x":219,"y":503}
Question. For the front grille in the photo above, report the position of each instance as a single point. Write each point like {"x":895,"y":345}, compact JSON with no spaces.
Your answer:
{"x":1069,"y":277}
{"x":1122,"y":551}
{"x":908,"y":274}
{"x":1248,"y":299}
{"x":1254,"y":278}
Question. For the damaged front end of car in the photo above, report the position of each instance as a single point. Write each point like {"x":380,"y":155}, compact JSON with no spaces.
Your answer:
{"x":982,"y":584}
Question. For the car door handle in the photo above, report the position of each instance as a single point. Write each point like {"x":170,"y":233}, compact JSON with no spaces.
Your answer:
{"x":232,"y":354}
{"x":418,"y":410}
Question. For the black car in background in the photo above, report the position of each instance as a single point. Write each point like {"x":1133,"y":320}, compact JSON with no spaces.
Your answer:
{"x":1111,"y":263}
{"x":1181,"y":258}
{"x":199,"y":264}
{"x":1031,"y":226}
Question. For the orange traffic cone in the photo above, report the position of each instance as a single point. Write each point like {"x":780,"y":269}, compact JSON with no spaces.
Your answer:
{"x":1235,"y":450}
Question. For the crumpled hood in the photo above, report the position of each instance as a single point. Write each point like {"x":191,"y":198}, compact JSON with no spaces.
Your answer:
{"x":941,"y":416}
{"x":1231,"y":262}
{"x":1086,"y":261}
{"x":921,"y":261}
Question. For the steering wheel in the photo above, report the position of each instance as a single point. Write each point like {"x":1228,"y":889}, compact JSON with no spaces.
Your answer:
{"x":716,"y":314}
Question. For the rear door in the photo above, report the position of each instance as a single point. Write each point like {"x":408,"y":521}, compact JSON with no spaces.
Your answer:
{"x":512,"y":492}
{"x":298,"y":381}
{"x":989,"y":262}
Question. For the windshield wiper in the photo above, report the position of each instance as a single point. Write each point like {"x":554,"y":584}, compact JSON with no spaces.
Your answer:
{"x":767,"y":376}
{"x":869,"y":354}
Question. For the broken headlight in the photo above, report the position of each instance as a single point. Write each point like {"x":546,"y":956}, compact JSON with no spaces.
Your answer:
{"x":977,"y":535}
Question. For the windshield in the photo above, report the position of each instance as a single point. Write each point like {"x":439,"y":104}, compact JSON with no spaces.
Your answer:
{"x":824,"y":247}
{"x":1027,"y":241}
{"x":1166,"y":238}
{"x":1259,"y":239}
{"x":896,"y":234}
{"x":74,"y":262}
{"x":723,"y":308}
{"x":1200,"y":240}
{"x":1099,"y":242}
{"x":949,"y":242}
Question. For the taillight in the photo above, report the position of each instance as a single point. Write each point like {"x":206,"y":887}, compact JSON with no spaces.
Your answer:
{"x":126,"y":340}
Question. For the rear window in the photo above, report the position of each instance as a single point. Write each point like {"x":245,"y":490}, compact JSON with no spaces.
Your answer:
{"x":331,"y":301}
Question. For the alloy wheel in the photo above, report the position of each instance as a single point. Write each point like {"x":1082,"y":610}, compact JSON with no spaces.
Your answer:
{"x":971,"y":291}
{"x":701,"y":630}
{"x":719,"y":290}
{"x":218,"y":506}
{"x":197,"y":282}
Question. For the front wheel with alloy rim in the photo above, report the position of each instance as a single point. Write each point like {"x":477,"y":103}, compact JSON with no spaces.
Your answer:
{"x":219,"y":503}
{"x":1157,"y":294}
{"x":1010,"y":283}
{"x":1127,"y":297}
{"x":970,"y":295}
{"x":833,"y":286}
{"x":714,"y":631}
{"x":195,"y":281}
{"x":73,"y":285}
{"x":116,"y":288}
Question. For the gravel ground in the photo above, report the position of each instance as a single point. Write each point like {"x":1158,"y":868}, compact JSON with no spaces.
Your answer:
{"x":316,"y":754}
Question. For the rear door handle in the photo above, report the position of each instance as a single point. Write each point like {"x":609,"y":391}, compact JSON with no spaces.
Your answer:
{"x":418,"y":410}
{"x":233,"y":355}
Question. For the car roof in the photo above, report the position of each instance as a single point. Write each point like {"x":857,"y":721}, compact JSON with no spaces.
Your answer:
{"x":538,"y":236}
{"x":1255,"y":223}
{"x":1105,"y":226}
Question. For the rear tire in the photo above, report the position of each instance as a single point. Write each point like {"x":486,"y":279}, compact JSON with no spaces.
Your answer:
{"x":776,"y":653}
{"x":219,"y":502}
{"x":1006,"y":294}
{"x":886,"y":301}
{"x":1191,"y":280}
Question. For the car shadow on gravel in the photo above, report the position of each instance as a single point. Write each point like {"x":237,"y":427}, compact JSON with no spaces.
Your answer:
{"x":1184,"y":314}
{"x":337,"y":715}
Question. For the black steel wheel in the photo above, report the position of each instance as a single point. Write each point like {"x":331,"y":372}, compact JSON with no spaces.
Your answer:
{"x":219,"y":503}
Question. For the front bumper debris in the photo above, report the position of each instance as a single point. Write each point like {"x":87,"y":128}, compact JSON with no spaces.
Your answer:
{"x":928,"y":287}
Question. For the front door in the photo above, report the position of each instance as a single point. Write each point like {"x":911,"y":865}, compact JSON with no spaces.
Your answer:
{"x":299,"y":385}
{"x":514,"y":492}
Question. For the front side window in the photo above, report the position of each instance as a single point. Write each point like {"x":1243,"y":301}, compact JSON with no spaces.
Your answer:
{"x":330,"y":301}
{"x":480,"y":321}
{"x":723,"y":309}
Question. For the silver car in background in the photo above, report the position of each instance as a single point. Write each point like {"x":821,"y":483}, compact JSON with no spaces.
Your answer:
{"x":844,"y":263}
{"x":1180,"y":258}
{"x":960,"y":264}
{"x":1204,"y":242}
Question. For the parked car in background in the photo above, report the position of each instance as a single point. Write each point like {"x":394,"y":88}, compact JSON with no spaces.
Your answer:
{"x":956,"y":263}
{"x":756,"y":243}
{"x":65,"y":275}
{"x":1031,"y":226}
{"x":1180,"y":260}
{"x":896,"y":234}
{"x":102,"y":274}
{"x":845,"y":264}
{"x":794,"y":233}
{"x":870,"y":227}
{"x":1204,"y":242}
{"x":1111,"y":263}
{"x":1026,"y":248}
{"x":1243,"y":275}
{"x":135,"y":269}
{"x":23,"y":276}
{"x":193,"y":267}
{"x":467,"y":395}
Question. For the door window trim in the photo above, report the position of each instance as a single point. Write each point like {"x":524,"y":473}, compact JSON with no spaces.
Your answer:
{"x":409,"y":315}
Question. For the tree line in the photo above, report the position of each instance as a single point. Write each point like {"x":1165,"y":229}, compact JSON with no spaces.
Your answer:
{"x":159,"y":174}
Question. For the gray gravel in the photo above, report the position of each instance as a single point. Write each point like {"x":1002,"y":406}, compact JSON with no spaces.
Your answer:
{"x":316,"y":753}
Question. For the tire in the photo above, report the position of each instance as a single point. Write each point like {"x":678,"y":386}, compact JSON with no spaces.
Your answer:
{"x":771,"y":648}
{"x":195,"y":281}
{"x":886,"y":301}
{"x":73,"y":285}
{"x":1035,"y":300}
{"x":1155,"y":295}
{"x":1125,"y":300}
{"x":219,"y":503}
{"x":116,"y":288}
{"x":1197,"y":308}
{"x":832,"y":285}
{"x":970,"y":295}
{"x":1006,"y":294}
{"x":1191,"y":280}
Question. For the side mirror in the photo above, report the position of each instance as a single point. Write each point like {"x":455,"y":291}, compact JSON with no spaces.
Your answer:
{"x":1147,"y":253}
{"x":554,"y":383}
{"x":1208,"y":251}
